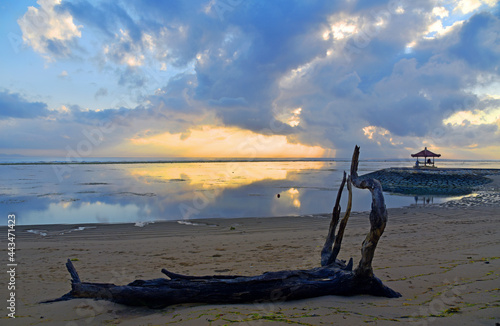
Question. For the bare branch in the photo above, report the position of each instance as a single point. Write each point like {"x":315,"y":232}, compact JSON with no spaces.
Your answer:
{"x":326,"y":252}
{"x":343,"y":224}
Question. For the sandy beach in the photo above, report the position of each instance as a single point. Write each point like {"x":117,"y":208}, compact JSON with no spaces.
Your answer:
{"x":442,"y":258}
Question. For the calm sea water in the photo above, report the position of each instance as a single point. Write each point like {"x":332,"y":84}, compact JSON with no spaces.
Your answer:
{"x":145,"y":192}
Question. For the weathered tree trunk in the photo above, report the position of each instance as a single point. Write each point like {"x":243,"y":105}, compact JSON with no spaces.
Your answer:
{"x":378,"y":217}
{"x":334,"y":277}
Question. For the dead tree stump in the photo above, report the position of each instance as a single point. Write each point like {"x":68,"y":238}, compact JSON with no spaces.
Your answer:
{"x":334,"y":277}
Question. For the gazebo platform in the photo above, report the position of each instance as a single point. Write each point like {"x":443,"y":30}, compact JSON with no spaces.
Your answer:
{"x":427,"y":162}
{"x":425,"y":167}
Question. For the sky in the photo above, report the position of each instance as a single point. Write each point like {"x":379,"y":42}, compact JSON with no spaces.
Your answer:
{"x":249,"y":79}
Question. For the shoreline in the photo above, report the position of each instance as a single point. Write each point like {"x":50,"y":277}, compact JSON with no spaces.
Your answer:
{"x":443,"y":260}
{"x":484,"y":194}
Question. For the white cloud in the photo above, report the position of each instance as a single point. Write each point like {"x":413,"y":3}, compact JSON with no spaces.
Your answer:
{"x":125,"y":51}
{"x":291,"y":116}
{"x":341,"y":26}
{"x":441,"y":12}
{"x":48,"y":31}
{"x":475,"y":117}
{"x":437,"y":29}
{"x":468,"y":6}
{"x":381,"y":136}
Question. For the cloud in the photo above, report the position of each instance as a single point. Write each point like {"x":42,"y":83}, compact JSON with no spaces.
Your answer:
{"x":478,"y":43}
{"x":49,"y":31}
{"x":222,"y":142}
{"x":125,"y":50}
{"x":63,"y":74}
{"x":468,"y":6}
{"x":30,"y":127}
{"x":407,"y":97}
{"x":229,"y":102}
{"x":382,"y":74}
{"x":13,"y":105}
{"x":101,"y":92}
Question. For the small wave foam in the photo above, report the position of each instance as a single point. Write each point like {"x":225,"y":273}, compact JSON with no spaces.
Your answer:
{"x":45,"y":233}
{"x":143,"y":224}
{"x":195,"y":224}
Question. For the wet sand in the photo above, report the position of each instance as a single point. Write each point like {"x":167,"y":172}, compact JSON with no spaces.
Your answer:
{"x":444,"y":260}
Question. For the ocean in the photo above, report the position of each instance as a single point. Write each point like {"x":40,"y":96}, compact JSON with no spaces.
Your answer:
{"x":141,"y":192}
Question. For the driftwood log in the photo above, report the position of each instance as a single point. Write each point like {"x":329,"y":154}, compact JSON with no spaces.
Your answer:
{"x":334,"y":277}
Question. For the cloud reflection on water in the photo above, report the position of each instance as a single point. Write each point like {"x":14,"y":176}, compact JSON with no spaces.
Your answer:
{"x":129,"y":193}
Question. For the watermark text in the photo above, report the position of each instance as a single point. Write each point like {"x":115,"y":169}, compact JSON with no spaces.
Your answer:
{"x":11,"y":266}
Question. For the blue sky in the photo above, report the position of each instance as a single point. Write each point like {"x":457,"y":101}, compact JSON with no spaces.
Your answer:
{"x":241,"y":78}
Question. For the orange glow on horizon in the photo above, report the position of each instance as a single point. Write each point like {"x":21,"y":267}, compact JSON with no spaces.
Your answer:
{"x":218,"y":142}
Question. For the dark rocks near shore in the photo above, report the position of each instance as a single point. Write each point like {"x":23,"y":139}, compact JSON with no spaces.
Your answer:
{"x":444,"y":182}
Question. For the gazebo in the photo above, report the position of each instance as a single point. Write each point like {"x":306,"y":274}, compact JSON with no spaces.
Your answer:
{"x":425,"y":154}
